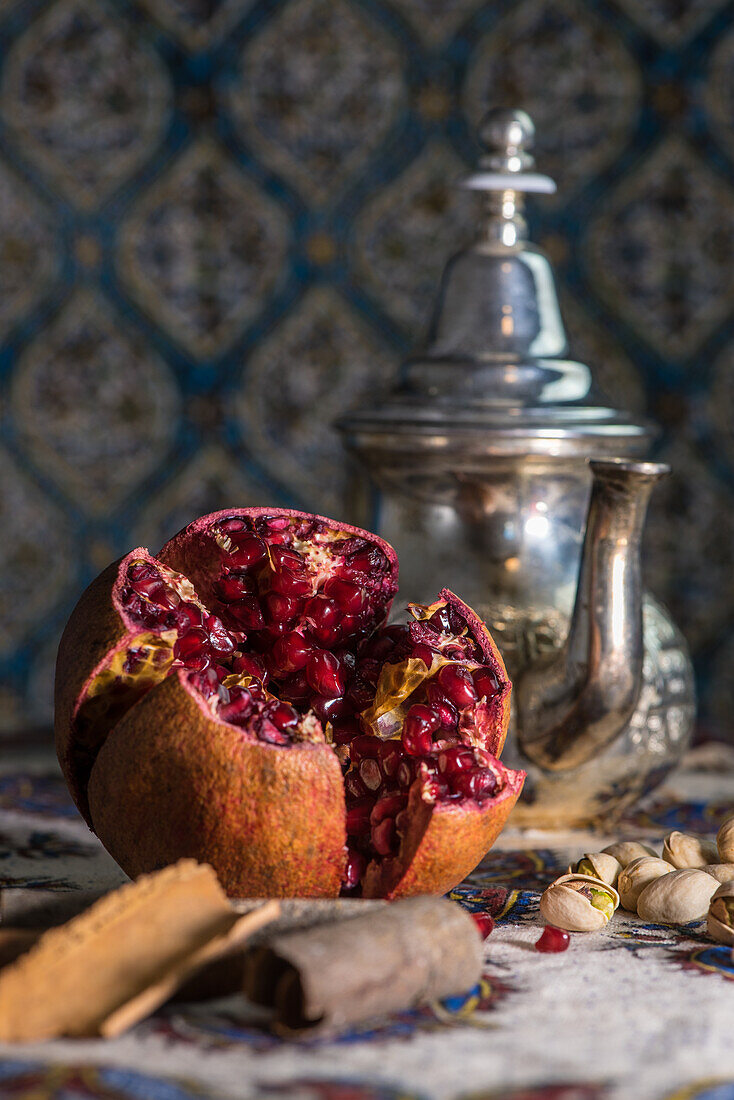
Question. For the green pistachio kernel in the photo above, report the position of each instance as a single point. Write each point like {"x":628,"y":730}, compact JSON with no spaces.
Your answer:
{"x":585,"y":868}
{"x":604,"y":902}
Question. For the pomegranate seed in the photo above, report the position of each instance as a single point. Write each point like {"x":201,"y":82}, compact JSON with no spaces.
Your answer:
{"x":457,"y":758}
{"x":324,"y":673}
{"x":284,"y":716}
{"x":419,"y":725}
{"x":383,"y":837}
{"x":233,"y":586}
{"x":406,"y":772}
{"x":388,"y":806}
{"x":423,"y":653}
{"x":194,"y":614}
{"x":369,"y":560}
{"x":435,"y":789}
{"x":266,"y":524}
{"x":296,"y":688}
{"x":456,"y":681}
{"x":192,"y":644}
{"x":484,"y":923}
{"x":322,"y":613}
{"x":249,"y":665}
{"x":370,"y":774}
{"x":332,"y":709}
{"x":229,"y":526}
{"x":291,"y":651}
{"x":219,"y":636}
{"x":247,"y":613}
{"x":291,"y":584}
{"x":358,"y":817}
{"x":552,"y":940}
{"x":486,"y":683}
{"x":281,"y":609}
{"x":348,"y":595}
{"x":445,"y":710}
{"x":355,"y":867}
{"x":269,"y":732}
{"x":479,"y":783}
{"x":440,"y":620}
{"x":249,"y":552}
{"x":369,"y":669}
{"x":238,"y":708}
{"x":364,"y":746}
{"x":283,"y":557}
{"x":360,"y":694}
{"x":354,"y":786}
{"x":343,"y":731}
{"x":391,"y":755}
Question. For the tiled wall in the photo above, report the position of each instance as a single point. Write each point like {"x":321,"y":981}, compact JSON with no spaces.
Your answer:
{"x":222,"y":220}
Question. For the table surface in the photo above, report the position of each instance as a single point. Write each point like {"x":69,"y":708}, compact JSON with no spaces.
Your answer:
{"x":638,"y":1011}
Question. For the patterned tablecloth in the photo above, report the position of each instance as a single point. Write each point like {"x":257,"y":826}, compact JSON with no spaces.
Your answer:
{"x":639,"y":1011}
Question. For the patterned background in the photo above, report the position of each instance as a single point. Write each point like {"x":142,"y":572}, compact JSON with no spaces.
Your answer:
{"x":222,"y":220}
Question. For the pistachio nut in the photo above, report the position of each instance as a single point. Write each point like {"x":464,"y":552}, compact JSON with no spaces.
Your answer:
{"x":721,"y":914}
{"x":599,"y":865}
{"x":677,"y":898}
{"x":636,"y":876}
{"x":725,"y":840}
{"x":626,"y":850}
{"x":684,"y":850}
{"x":722,"y":872}
{"x":579,"y":903}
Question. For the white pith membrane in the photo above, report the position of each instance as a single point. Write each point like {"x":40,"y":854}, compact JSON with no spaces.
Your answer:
{"x":291,"y":648}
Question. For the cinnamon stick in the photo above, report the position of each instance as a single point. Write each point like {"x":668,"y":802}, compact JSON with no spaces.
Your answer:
{"x":334,"y":976}
{"x":118,"y":961}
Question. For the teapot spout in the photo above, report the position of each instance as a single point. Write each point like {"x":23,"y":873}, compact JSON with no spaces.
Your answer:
{"x":574,"y":705}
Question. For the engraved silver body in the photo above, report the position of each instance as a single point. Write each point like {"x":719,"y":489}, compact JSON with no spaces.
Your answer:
{"x":482,"y":454}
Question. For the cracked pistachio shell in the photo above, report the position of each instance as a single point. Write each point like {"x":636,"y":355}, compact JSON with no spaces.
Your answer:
{"x":564,"y":905}
{"x":684,"y":850}
{"x":722,"y":872}
{"x":720,"y":920}
{"x":677,"y":898}
{"x":626,"y":850}
{"x":599,"y":865}
{"x":636,"y":876}
{"x":725,"y":841}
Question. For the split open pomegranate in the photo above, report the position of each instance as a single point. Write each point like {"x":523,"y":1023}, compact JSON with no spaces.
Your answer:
{"x":239,"y":699}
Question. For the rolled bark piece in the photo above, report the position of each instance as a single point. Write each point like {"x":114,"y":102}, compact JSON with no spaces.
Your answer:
{"x":337,"y":975}
{"x":117,"y":962}
{"x":225,"y":974}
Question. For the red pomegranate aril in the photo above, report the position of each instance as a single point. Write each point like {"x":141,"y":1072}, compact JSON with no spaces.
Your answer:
{"x":281,"y":609}
{"x":296,"y":688}
{"x":456,"y":759}
{"x":358,"y":817}
{"x":368,"y":560}
{"x":360,"y":694}
{"x":248,"y":552}
{"x":354,"y":786}
{"x":231,"y":525}
{"x":392,"y":754}
{"x":291,"y":584}
{"x":446,"y":711}
{"x":349,"y":596}
{"x":486,"y":683}
{"x":479,"y":783}
{"x":369,"y":669}
{"x":420,"y":724}
{"x":219,"y":636}
{"x":435,"y":789}
{"x":355,"y":867}
{"x":370,"y":774}
{"x":268,"y":731}
{"x":322,"y":612}
{"x":388,"y":805}
{"x":283,"y":557}
{"x":344,"y":730}
{"x":249,"y":665}
{"x":238,"y":708}
{"x":383,"y":837}
{"x":406,"y":772}
{"x":364,"y":746}
{"x":456,"y":681}
{"x":552,"y":940}
{"x":284,"y":716}
{"x":292,"y":651}
{"x":331,"y":709}
{"x":247,"y":613}
{"x":233,"y":586}
{"x":324,"y":673}
{"x":194,"y":643}
{"x":423,"y":653}
{"x":484,"y":923}
{"x":267,"y":524}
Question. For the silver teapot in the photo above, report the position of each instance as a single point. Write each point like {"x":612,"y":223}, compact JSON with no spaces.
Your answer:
{"x":505,"y":476}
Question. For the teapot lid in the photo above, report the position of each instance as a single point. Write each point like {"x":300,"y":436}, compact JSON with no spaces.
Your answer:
{"x":494,"y":366}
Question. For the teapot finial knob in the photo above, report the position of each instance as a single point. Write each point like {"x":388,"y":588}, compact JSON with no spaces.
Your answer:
{"x":507,"y":134}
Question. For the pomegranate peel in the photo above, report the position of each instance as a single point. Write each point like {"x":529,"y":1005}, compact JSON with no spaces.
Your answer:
{"x":238,"y":699}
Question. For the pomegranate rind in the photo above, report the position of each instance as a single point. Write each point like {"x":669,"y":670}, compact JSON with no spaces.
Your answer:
{"x":499,"y":705}
{"x":443,"y":843}
{"x":171,"y":781}
{"x":189,"y":552}
{"x":96,"y":630}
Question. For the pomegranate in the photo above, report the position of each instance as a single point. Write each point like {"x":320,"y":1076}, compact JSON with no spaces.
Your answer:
{"x":239,"y":699}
